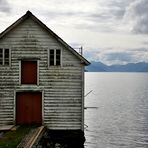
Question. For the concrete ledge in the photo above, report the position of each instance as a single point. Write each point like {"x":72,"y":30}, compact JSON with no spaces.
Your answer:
{"x":6,"y":127}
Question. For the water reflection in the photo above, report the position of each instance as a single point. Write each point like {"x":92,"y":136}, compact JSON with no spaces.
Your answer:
{"x":121,"y":119}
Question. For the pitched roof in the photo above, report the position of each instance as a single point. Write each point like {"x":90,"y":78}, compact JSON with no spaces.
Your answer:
{"x":29,"y":14}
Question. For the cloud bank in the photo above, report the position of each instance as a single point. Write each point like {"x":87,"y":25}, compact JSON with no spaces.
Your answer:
{"x":122,"y":56}
{"x":111,"y":31}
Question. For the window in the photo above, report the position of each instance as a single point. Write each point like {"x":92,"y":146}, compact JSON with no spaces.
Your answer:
{"x":54,"y":57}
{"x":51,"y":57}
{"x":4,"y":56}
{"x":58,"y":57}
{"x":1,"y":56}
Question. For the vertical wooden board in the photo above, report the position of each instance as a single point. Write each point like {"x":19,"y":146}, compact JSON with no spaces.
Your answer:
{"x":36,"y":107}
{"x":19,"y":108}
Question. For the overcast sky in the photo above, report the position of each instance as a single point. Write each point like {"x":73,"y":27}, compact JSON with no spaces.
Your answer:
{"x":110,"y":31}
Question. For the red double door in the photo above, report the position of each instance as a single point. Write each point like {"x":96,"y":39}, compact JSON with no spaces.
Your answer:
{"x":28,"y":108}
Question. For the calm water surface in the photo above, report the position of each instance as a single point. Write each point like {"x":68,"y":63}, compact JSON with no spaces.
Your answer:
{"x":120,"y":119}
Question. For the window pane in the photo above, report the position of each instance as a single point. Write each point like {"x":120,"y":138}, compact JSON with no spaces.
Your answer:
{"x":58,"y":57}
{"x":51,"y":60}
{"x":1,"y":56}
{"x":6,"y":60}
{"x":51,"y":51}
{"x":58,"y":52}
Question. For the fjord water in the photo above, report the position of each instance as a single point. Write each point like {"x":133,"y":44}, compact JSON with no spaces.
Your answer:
{"x":119,"y":117}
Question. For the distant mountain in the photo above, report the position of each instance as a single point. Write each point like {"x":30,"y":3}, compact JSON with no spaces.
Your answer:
{"x":96,"y":67}
{"x":131,"y":67}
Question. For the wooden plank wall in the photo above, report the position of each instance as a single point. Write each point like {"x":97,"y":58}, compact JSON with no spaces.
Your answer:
{"x":61,"y":86}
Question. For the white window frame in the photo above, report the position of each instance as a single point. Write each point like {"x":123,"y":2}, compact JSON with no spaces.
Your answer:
{"x":54,"y":57}
{"x":3,"y":56}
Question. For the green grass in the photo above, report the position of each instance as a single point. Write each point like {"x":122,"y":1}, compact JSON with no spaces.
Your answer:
{"x":11,"y":139}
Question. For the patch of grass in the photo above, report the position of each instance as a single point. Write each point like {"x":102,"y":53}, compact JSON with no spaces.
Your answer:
{"x":11,"y":139}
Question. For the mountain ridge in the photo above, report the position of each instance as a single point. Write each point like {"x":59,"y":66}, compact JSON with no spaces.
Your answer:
{"x":130,"y":67}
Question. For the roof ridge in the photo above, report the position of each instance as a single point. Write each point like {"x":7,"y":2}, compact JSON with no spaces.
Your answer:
{"x":29,"y":14}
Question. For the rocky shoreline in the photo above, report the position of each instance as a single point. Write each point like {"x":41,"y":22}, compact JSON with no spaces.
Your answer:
{"x":61,"y":139}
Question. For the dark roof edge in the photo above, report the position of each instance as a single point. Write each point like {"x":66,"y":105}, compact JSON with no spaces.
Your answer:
{"x":15,"y":24}
{"x":29,"y":14}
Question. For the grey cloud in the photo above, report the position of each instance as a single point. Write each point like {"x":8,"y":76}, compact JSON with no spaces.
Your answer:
{"x":122,"y":56}
{"x":91,"y":56}
{"x":99,"y":16}
{"x":115,"y":8}
{"x":112,"y":56}
{"x":4,"y":6}
{"x":102,"y":16}
{"x":117,"y":57}
{"x":57,"y":14}
{"x":108,"y":14}
{"x":137,"y":16}
{"x":141,"y":26}
{"x":145,"y":43}
{"x":142,"y":50}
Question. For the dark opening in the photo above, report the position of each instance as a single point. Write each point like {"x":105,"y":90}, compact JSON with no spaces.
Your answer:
{"x":51,"y":57}
{"x":1,"y":56}
{"x":58,"y":57}
{"x":6,"y":57}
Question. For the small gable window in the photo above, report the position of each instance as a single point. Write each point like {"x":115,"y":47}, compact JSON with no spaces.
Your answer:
{"x":54,"y":57}
{"x":5,"y":56}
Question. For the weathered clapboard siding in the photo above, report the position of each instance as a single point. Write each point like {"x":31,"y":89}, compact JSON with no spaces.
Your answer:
{"x":61,"y":86}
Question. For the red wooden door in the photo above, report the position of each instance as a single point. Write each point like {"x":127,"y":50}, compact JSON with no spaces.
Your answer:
{"x":28,"y":72}
{"x":29,"y":108}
